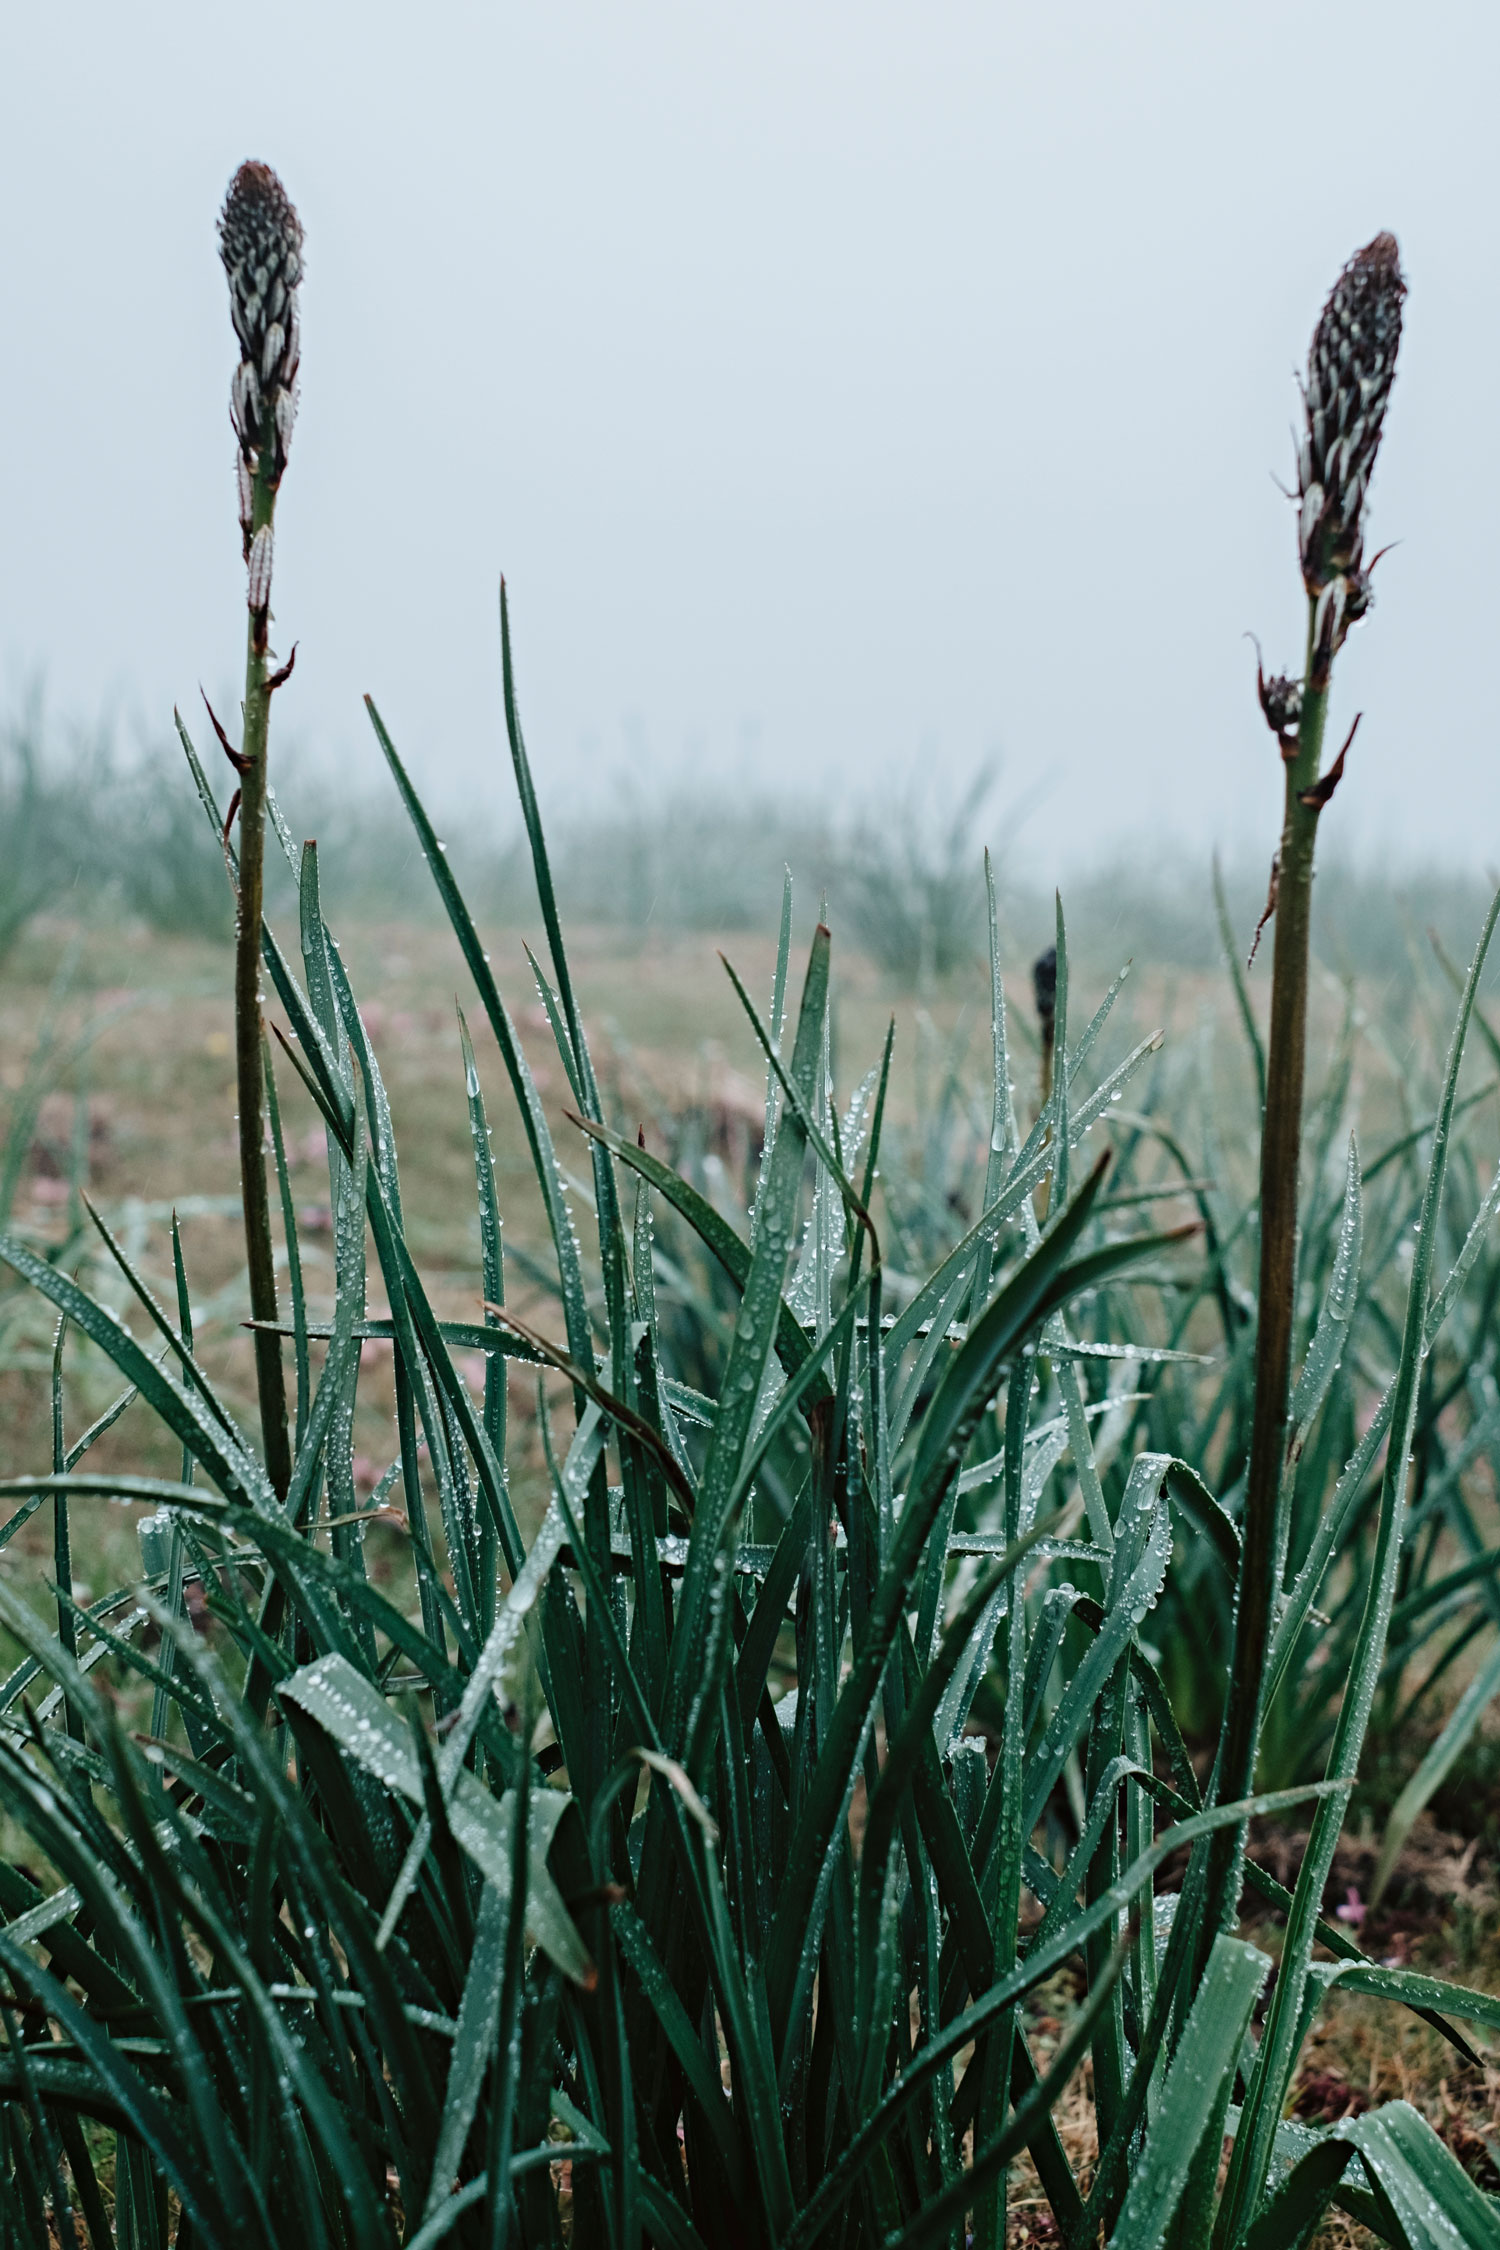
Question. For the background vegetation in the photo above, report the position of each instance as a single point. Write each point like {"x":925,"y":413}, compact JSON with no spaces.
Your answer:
{"x":95,"y":822}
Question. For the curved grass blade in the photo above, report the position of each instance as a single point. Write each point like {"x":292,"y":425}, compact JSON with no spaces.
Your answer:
{"x":1424,"y":2196}
{"x":180,"y":1349}
{"x":150,"y":2119}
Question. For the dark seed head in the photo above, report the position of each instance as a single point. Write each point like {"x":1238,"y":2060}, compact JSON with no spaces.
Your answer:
{"x":1044,"y":985}
{"x":260,"y":242}
{"x":1349,"y":373}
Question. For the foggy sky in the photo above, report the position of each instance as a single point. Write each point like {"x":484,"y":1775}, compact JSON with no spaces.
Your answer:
{"x":848,"y":392}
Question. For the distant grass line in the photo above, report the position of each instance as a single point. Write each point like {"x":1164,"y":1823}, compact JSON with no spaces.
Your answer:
{"x":121,"y":836}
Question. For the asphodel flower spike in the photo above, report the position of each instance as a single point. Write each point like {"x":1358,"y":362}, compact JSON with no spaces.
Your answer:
{"x":1350,"y":368}
{"x":260,"y":242}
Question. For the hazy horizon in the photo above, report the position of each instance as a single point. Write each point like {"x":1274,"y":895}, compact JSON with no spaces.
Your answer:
{"x":852,"y":400}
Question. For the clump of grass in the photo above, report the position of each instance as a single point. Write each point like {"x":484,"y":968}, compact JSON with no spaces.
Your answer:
{"x":683,"y":1872}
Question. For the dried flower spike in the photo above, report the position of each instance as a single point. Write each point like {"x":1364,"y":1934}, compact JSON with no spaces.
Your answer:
{"x":260,"y":242}
{"x":1349,"y":372}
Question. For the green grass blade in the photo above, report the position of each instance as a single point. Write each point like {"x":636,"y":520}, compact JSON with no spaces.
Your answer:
{"x":62,"y":1545}
{"x":1003,"y":1103}
{"x":541,"y":866}
{"x":1424,"y":1995}
{"x":1064,"y":1899}
{"x":176,"y":1344}
{"x":508,"y":2025}
{"x":1339,"y":1514}
{"x":293,"y":1243}
{"x":1291,"y":2218}
{"x":149,"y":2118}
{"x":686,"y":2044}
{"x":611,"y":1231}
{"x":1195,"y":2097}
{"x":916,"y":1727}
{"x":491,"y":1248}
{"x":533,"y":1119}
{"x":553,"y":1011}
{"x":1425,"y":2198}
{"x":961,"y":2030}
{"x":1138,"y":1573}
{"x":778,"y":1026}
{"x":1331,"y":1335}
{"x":689,"y":1689}
{"x":671,"y":2225}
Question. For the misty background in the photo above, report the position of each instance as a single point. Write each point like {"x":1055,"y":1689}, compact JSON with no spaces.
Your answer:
{"x":855,"y":397}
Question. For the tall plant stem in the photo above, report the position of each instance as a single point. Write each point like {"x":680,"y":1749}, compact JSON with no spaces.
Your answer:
{"x":1280,"y":1154}
{"x":249,"y":1032}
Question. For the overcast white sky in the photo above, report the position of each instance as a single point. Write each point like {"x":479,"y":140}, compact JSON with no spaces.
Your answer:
{"x":847,"y":391}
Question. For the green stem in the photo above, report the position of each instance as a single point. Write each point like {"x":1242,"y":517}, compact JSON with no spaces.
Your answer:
{"x":1281,"y":1147}
{"x":248,"y":1029}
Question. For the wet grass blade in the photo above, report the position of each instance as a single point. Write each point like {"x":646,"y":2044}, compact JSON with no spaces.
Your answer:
{"x":754,"y":1339}
{"x":538,"y":1133}
{"x":1196,"y":2093}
